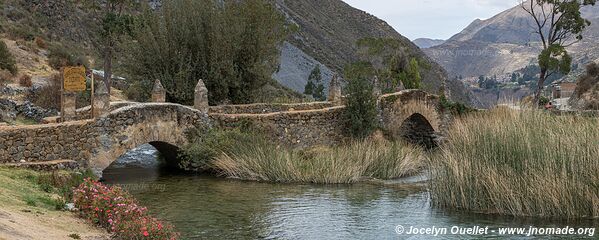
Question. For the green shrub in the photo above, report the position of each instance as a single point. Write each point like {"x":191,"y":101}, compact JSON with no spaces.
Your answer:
{"x":7,"y":60}
{"x":59,"y":57}
{"x":360,"y":112}
{"x":21,"y":32}
{"x":206,"y":145}
{"x":62,"y":182}
{"x":522,"y":163}
{"x":454,"y":107}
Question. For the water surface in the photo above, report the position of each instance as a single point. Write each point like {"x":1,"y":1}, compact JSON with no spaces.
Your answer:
{"x":204,"y":207}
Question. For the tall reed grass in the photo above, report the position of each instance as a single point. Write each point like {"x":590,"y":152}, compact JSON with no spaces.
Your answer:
{"x":260,"y":160}
{"x":522,"y":163}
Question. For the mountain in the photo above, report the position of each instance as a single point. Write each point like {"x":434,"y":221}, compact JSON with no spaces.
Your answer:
{"x":427,"y":42}
{"x":327,"y":36}
{"x":506,"y":43}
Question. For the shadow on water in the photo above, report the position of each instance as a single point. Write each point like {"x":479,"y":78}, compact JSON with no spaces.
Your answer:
{"x":205,"y":207}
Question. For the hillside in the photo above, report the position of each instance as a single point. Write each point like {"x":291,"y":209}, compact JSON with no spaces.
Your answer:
{"x":328,"y":32}
{"x":506,"y":43}
{"x":427,"y":42}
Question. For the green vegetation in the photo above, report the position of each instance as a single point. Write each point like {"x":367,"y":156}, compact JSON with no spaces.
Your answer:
{"x":232,"y":48}
{"x":315,"y":86}
{"x":59,"y":56}
{"x":522,"y":163}
{"x":114,"y":23}
{"x":206,"y":145}
{"x":387,"y":58}
{"x":558,"y":25}
{"x":7,"y":60}
{"x":360,"y":114}
{"x":50,"y":190}
{"x":455,"y":108}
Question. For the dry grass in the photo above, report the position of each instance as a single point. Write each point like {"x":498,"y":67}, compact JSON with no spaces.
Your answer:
{"x":25,"y":81}
{"x":522,"y":163}
{"x":261,"y":161}
{"x":48,"y":96}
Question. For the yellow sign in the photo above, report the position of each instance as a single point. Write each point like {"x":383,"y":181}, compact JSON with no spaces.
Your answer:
{"x":74,"y":79}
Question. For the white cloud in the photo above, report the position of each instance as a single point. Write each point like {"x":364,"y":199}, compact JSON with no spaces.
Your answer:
{"x":431,"y":18}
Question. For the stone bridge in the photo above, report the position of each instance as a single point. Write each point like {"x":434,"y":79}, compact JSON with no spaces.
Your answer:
{"x":120,"y":127}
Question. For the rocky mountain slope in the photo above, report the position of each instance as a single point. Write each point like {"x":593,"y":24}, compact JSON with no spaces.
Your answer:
{"x":506,"y":43}
{"x":328,"y":31}
{"x":427,"y":42}
{"x":327,"y":36}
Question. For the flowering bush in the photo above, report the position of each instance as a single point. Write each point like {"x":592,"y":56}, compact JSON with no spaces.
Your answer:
{"x":115,"y":210}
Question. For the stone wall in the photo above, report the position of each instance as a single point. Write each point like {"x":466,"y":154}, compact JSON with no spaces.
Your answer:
{"x":72,"y":140}
{"x":295,"y":128}
{"x":96,"y":143}
{"x":262,"y":108}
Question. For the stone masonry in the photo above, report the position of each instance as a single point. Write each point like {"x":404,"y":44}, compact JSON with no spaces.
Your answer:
{"x":98,"y":142}
{"x":120,"y":127}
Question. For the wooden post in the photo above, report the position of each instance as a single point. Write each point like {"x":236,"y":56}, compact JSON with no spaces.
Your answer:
{"x":92,"y":96}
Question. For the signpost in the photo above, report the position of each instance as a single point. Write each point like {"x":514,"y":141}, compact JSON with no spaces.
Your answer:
{"x":74,"y":80}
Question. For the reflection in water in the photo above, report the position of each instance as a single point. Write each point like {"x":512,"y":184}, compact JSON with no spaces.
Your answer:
{"x":203,"y":207}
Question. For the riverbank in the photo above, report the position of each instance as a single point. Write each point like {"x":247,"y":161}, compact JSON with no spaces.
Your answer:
{"x":29,"y":212}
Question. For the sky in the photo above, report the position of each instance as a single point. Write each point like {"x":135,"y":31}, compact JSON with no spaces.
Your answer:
{"x":437,"y":19}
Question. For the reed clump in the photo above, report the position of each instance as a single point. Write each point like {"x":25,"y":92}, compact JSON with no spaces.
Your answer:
{"x":521,"y":163}
{"x":260,"y":160}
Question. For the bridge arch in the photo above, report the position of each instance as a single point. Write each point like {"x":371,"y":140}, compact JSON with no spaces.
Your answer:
{"x":162,"y":125}
{"x":412,"y":115}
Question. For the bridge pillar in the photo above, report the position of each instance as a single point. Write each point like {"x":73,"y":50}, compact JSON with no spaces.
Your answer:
{"x":101,"y":100}
{"x":158,"y":92}
{"x":200,"y":101}
{"x":335,"y":90}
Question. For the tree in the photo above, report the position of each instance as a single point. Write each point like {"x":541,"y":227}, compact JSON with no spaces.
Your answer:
{"x":315,"y":87}
{"x":360,"y":112}
{"x":559,"y":24}
{"x":391,"y":63}
{"x":114,"y":21}
{"x":413,"y":79}
{"x":231,"y":45}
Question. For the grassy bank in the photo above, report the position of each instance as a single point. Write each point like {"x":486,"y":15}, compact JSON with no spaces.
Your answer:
{"x":29,"y":198}
{"x":253,"y":157}
{"x":522,"y":163}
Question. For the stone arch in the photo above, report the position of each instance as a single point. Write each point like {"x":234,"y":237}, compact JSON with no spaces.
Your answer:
{"x":416,"y":129}
{"x":164,"y":126}
{"x":412,"y":115}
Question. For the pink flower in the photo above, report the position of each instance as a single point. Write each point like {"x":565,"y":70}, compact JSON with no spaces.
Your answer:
{"x":146,"y":233}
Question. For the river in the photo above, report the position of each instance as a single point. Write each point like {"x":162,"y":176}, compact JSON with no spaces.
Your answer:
{"x":205,"y":207}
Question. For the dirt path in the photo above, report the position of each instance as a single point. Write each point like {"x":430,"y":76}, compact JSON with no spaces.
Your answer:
{"x":16,"y":224}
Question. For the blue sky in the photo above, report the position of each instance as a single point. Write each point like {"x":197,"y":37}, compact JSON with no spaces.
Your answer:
{"x":432,"y":18}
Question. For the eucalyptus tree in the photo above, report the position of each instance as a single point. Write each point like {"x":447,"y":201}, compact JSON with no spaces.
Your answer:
{"x":558,"y":24}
